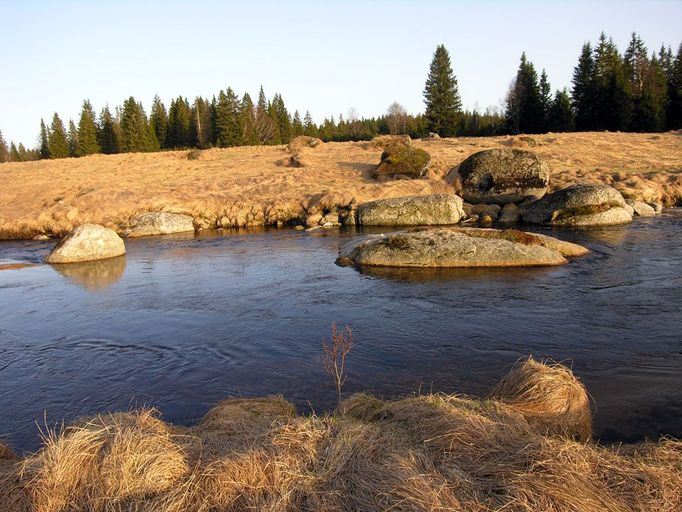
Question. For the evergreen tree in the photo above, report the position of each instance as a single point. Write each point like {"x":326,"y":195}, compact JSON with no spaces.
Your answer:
{"x":44,"y":141}
{"x":296,"y":125}
{"x":309,"y":127}
{"x":674,"y":82}
{"x":613,"y":99}
{"x":265,"y":126}
{"x":87,"y":132}
{"x":282,"y":118}
{"x":24,"y":156}
{"x":136,"y":134}
{"x":441,"y":95}
{"x":4,"y":150}
{"x":158,"y":120}
{"x":584,"y":90}
{"x":545,"y":99}
{"x":524,"y":112}
{"x":247,"y":122}
{"x":201,"y":124}
{"x":14,"y":155}
{"x":228,"y":129}
{"x":58,"y":144}
{"x":276,"y":135}
{"x":561,"y":117}
{"x":72,"y":139}
{"x":179,"y":121}
{"x":108,"y":133}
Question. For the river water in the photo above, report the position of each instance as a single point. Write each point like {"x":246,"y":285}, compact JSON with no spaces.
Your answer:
{"x":181,"y":322}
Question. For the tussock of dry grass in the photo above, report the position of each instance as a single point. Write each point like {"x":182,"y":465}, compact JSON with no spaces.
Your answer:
{"x":254,"y":186}
{"x":420,"y":453}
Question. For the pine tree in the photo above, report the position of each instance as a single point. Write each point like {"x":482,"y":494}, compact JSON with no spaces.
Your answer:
{"x":201,"y":124}
{"x":265,"y":126}
{"x":14,"y":155}
{"x":283,"y":119}
{"x":24,"y":156}
{"x":158,"y":120}
{"x":613,"y":98}
{"x":296,"y":125}
{"x":87,"y":132}
{"x":4,"y":150}
{"x":584,"y":90}
{"x":179,"y":121}
{"x":309,"y":127}
{"x":58,"y":144}
{"x":72,"y":139}
{"x":524,"y":111}
{"x":228,"y":131}
{"x":108,"y":133}
{"x":441,"y":95}
{"x":247,"y":122}
{"x":561,"y":117}
{"x":44,"y":141}
{"x":136,"y":134}
{"x":545,"y":99}
{"x":674,"y":107}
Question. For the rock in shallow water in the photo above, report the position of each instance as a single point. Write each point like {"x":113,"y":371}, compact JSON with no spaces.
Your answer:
{"x":436,"y":209}
{"x":159,"y":223}
{"x":641,"y":209}
{"x":87,"y":242}
{"x":579,"y":205}
{"x":457,"y":248}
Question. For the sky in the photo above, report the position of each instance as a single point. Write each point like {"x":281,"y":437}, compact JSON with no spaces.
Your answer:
{"x":325,"y":57}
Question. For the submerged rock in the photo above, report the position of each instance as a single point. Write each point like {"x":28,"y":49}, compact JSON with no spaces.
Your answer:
{"x":457,"y":248}
{"x":579,"y":205}
{"x":436,"y":209}
{"x":401,"y":161}
{"x":159,"y":223}
{"x":503,"y":176}
{"x":87,"y":242}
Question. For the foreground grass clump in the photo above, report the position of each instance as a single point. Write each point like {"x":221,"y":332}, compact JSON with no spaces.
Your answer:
{"x":526,"y":448}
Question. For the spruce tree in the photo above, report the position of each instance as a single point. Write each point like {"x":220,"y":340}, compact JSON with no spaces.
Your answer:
{"x":283,"y":119}
{"x":613,"y":101}
{"x":309,"y":127}
{"x":545,"y":99}
{"x":14,"y":155}
{"x":296,"y":125}
{"x":561,"y":117}
{"x":201,"y":124}
{"x":72,"y":139}
{"x":247,"y":121}
{"x":4,"y":150}
{"x":524,"y":110}
{"x":136,"y":134}
{"x":228,"y":130}
{"x":58,"y":144}
{"x":158,"y":120}
{"x":24,"y":155}
{"x":265,"y":126}
{"x":44,"y":141}
{"x":674,"y":106}
{"x":584,"y":90}
{"x":441,"y":95}
{"x":108,"y":133}
{"x":87,"y":131}
{"x":179,"y":122}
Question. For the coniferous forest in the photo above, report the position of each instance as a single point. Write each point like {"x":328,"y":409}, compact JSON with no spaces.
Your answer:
{"x":636,"y":91}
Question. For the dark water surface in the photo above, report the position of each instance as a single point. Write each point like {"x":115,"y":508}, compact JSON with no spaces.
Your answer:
{"x":182,"y":322}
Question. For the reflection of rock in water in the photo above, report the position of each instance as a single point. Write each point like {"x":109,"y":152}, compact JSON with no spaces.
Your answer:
{"x":94,"y":275}
{"x":419,"y":275}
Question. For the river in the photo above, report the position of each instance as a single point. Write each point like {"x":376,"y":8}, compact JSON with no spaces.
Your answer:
{"x":183,"y":321}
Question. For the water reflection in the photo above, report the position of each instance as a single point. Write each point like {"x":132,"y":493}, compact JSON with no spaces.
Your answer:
{"x":93,"y":275}
{"x":419,"y":275}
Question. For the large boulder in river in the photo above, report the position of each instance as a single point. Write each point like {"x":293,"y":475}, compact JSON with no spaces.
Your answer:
{"x":402,"y":161}
{"x":88,"y":242}
{"x":436,"y":209}
{"x":579,"y":205}
{"x":457,"y":248}
{"x":503,"y":176}
{"x":159,"y":223}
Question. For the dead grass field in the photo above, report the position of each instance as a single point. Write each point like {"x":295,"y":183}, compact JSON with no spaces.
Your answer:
{"x":250,"y":186}
{"x":527,"y":449}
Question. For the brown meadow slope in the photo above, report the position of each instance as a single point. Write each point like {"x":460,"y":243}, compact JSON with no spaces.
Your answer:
{"x":250,"y":186}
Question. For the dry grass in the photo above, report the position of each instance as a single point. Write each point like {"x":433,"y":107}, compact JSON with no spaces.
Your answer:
{"x":249,"y":186}
{"x":420,"y":453}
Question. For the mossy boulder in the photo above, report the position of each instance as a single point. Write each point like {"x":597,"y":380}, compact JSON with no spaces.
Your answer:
{"x":402,"y":161}
{"x":436,"y":209}
{"x":502,"y":176}
{"x":579,"y":205}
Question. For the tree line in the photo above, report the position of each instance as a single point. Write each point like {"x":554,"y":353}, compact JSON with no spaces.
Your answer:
{"x":634,"y":91}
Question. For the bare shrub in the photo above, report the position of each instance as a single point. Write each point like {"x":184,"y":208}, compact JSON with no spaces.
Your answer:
{"x":334,"y":359}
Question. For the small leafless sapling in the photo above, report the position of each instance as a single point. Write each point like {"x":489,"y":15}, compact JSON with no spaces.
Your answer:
{"x":335,"y":352}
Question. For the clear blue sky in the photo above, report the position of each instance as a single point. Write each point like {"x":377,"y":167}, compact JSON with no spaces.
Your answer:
{"x":323,"y":56}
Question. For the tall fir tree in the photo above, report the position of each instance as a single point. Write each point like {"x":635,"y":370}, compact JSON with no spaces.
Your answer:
{"x":613,"y":98}
{"x":441,"y":95}
{"x":72,"y":139}
{"x":524,"y":110}
{"x":4,"y":150}
{"x":58,"y":143}
{"x":545,"y":99}
{"x":136,"y":134}
{"x":44,"y":141}
{"x":283,"y":119}
{"x":179,"y":121}
{"x":14,"y":155}
{"x":561,"y":117}
{"x":201,"y":124}
{"x":158,"y":120}
{"x":108,"y":133}
{"x":265,"y":126}
{"x":296,"y":125}
{"x":87,"y":131}
{"x":309,"y":127}
{"x":674,"y":82}
{"x":584,"y":90}
{"x":228,"y":131}
{"x":247,"y":121}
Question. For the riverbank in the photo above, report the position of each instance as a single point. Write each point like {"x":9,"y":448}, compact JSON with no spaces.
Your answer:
{"x":526,"y":447}
{"x":256,"y":186}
